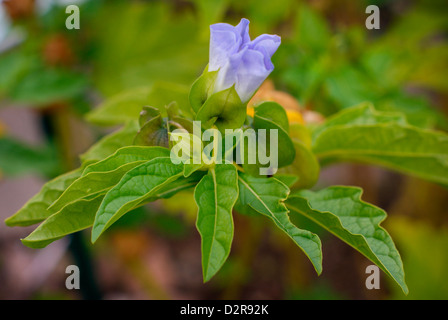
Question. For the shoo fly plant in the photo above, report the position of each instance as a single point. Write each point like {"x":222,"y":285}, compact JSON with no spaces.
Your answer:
{"x":204,"y":139}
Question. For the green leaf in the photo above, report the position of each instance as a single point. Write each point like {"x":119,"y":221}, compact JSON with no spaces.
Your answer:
{"x":153,"y":43}
{"x":312,"y":31}
{"x":120,"y":108}
{"x":223,"y":109}
{"x":379,"y":139}
{"x":153,"y":133}
{"x":305,"y":167}
{"x":126,"y":155}
{"x":72,"y":218}
{"x":99,"y":177}
{"x":36,"y":209}
{"x":181,"y":123}
{"x":111,"y":143}
{"x":348,"y":86}
{"x":81,"y":214}
{"x":269,"y":116}
{"x":419,"y":112}
{"x":164,"y":93}
{"x":188,"y":149}
{"x":215,"y":196}
{"x":139,"y":184}
{"x":147,"y":114}
{"x":341,"y":211}
{"x":127,"y":105}
{"x":267,"y":196}
{"x":301,"y":133}
{"x":189,"y":169}
{"x":272,"y":112}
{"x":287,"y":179}
{"x":201,"y":89}
{"x":18,"y":158}
{"x":272,"y":116}
{"x":43,"y":86}
{"x":362,"y":114}
{"x":13,"y":65}
{"x":170,"y":189}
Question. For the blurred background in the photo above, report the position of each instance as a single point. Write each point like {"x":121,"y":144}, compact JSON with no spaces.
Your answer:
{"x":50,"y":77}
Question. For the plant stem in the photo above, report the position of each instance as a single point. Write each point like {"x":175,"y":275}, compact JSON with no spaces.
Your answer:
{"x":64,"y":130}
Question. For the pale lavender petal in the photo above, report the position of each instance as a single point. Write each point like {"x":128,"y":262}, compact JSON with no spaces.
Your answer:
{"x":252,"y":71}
{"x":240,"y":61}
{"x":227,"y":75}
{"x":267,"y":41}
{"x":224,"y":41}
{"x":243,"y":30}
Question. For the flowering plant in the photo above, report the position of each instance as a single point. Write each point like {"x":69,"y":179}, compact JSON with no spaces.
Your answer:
{"x":238,"y":60}
{"x":133,"y":166}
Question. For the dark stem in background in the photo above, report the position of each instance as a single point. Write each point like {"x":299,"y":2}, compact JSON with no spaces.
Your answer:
{"x":58,"y":126}
{"x":81,"y":254}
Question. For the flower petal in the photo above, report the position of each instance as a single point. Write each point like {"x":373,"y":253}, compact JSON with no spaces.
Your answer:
{"x":227,"y":75}
{"x":240,"y":61}
{"x":243,"y":30}
{"x":266,"y":41}
{"x":223,"y":42}
{"x":252,"y":71}
{"x":226,"y":40}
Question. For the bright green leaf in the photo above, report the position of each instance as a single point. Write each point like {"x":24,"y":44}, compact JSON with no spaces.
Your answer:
{"x":99,"y":177}
{"x":305,"y":167}
{"x":267,"y":196}
{"x":153,"y":133}
{"x":382,"y":141}
{"x":127,"y":105}
{"x":72,"y":218}
{"x":147,"y":114}
{"x":341,"y":211}
{"x":215,"y":196}
{"x":201,"y":89}
{"x":126,"y":155}
{"x":288,"y":179}
{"x":269,"y":116}
{"x":362,"y":114}
{"x":111,"y":143}
{"x":136,"y":185}
{"x":273,"y":112}
{"x":223,"y":109}
{"x":36,"y":209}
{"x":120,"y":108}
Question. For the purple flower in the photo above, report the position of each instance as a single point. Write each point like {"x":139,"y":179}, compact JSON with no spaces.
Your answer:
{"x":239,"y":60}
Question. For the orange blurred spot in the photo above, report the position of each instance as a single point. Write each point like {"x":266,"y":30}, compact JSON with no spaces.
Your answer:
{"x":18,"y":9}
{"x":130,"y":244}
{"x":294,"y":117}
{"x":267,"y":92}
{"x":57,"y":51}
{"x":250,"y":111}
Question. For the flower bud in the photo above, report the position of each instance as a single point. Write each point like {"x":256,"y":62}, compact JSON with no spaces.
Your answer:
{"x":238,"y":60}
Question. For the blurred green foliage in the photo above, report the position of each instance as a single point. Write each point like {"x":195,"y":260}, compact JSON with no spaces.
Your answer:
{"x":328,"y":61}
{"x":425,"y":254}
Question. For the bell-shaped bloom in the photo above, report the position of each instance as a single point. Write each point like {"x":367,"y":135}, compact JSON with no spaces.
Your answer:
{"x":239,"y":60}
